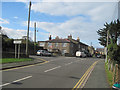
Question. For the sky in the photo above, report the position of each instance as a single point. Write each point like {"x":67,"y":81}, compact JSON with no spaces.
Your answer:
{"x":62,"y":18}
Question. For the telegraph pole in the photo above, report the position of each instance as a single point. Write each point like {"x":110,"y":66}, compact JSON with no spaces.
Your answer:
{"x":28,"y":30}
{"x":35,"y":38}
{"x":107,"y":45}
{"x":35,"y":32}
{"x":91,"y":43}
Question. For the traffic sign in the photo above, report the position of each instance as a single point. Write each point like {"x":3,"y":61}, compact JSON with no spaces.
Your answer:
{"x":17,"y":41}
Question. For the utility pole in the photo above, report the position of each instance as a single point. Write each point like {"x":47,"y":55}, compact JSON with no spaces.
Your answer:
{"x":28,"y":30}
{"x":35,"y":32}
{"x":91,"y":43}
{"x":35,"y":38}
{"x":119,"y":10}
{"x":107,"y":45}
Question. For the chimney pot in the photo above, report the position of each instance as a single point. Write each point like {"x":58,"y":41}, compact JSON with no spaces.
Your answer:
{"x":50,"y":37}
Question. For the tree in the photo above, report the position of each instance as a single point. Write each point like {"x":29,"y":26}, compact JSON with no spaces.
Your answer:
{"x":113,"y":53}
{"x":114,"y":32}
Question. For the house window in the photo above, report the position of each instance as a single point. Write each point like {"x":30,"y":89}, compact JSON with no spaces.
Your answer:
{"x":64,"y":44}
{"x":118,"y":40}
{"x":79,"y":46}
{"x":42,"y":44}
{"x":71,"y":44}
{"x":49,"y":44}
{"x":63,"y":52}
{"x":50,"y":50}
{"x":56,"y":44}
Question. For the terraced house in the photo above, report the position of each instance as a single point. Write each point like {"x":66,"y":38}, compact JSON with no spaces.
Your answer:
{"x":67,"y":46}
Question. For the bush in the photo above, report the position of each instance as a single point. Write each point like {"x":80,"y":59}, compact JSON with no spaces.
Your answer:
{"x":114,"y":52}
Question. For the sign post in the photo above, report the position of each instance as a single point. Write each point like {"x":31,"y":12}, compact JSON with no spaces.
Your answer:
{"x":15,"y":50}
{"x":19,"y":51}
{"x":17,"y":42}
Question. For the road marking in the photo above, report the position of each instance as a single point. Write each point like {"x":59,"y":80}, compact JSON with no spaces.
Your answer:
{"x":87,"y":73}
{"x":87,"y":78}
{"x":26,"y":66}
{"x":81,"y":79}
{"x":16,"y":81}
{"x":69,"y":63}
{"x":52,"y":69}
{"x":4,"y":84}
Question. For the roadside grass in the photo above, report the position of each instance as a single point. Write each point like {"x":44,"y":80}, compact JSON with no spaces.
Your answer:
{"x":10,"y":60}
{"x":109,"y":75}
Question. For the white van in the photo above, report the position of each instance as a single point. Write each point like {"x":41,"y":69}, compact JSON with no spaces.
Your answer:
{"x":80,"y":54}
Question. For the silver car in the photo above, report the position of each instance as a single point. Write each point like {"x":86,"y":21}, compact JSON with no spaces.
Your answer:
{"x":43,"y":53}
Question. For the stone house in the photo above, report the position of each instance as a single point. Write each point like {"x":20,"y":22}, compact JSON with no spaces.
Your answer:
{"x":67,"y":46}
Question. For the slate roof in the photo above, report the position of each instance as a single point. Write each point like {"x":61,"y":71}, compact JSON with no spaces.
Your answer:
{"x":59,"y":41}
{"x":64,"y":41}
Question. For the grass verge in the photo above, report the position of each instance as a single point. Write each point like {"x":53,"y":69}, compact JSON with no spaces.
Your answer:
{"x":10,"y":60}
{"x":109,"y":75}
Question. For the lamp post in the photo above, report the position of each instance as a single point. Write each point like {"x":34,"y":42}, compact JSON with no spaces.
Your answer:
{"x":28,"y":30}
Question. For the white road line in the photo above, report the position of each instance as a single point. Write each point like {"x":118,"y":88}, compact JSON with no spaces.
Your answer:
{"x":4,"y":84}
{"x":16,"y":81}
{"x":22,"y":79}
{"x":69,"y":63}
{"x":52,"y":69}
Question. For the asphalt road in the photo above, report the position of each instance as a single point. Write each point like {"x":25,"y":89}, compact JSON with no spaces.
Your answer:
{"x":58,"y":72}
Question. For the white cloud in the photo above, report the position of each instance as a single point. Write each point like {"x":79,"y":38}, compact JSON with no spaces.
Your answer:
{"x":3,"y":21}
{"x":76,"y":26}
{"x":71,"y":9}
{"x":97,"y":13}
{"x":15,"y":17}
{"x":61,"y":0}
{"x":16,"y":34}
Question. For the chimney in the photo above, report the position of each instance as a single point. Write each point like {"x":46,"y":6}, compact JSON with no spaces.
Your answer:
{"x":70,"y":37}
{"x":50,"y":37}
{"x":78,"y":39}
{"x":57,"y":37}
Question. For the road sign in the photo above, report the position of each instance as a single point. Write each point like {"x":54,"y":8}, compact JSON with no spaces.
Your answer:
{"x":17,"y":41}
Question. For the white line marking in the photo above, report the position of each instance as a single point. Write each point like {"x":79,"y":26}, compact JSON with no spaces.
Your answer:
{"x":52,"y":69}
{"x":16,"y":81}
{"x":4,"y":84}
{"x":69,"y":63}
{"x":22,"y":79}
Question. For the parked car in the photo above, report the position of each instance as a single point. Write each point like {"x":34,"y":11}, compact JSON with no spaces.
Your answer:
{"x":43,"y":53}
{"x":80,"y":54}
{"x":98,"y":56}
{"x":87,"y":54}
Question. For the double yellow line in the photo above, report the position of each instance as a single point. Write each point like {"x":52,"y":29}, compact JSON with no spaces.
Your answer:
{"x":81,"y":82}
{"x":45,"y":61}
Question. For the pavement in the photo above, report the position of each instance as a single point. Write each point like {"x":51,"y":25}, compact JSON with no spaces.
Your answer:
{"x":58,"y":72}
{"x":20,"y":64}
{"x":98,"y":77}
